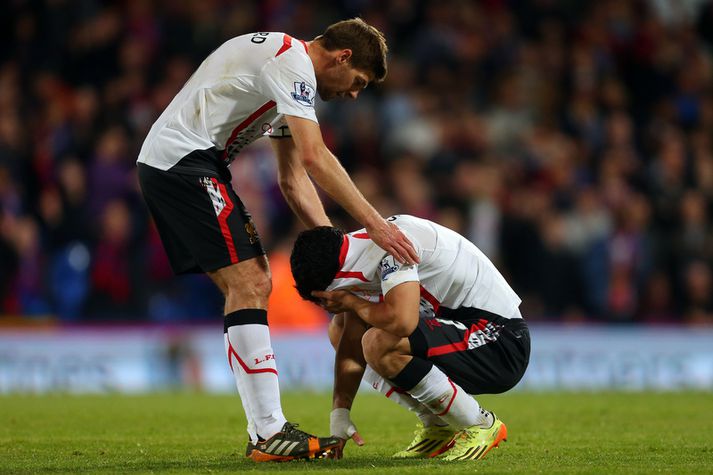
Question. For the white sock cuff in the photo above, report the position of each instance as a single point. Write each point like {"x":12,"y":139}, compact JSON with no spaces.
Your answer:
{"x":431,"y":385}
{"x":371,"y":377}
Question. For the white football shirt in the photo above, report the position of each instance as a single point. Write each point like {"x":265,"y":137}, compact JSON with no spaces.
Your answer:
{"x":239,"y":93}
{"x":453,"y":272}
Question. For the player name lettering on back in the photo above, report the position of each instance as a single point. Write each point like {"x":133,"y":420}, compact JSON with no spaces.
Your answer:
{"x":259,"y":38}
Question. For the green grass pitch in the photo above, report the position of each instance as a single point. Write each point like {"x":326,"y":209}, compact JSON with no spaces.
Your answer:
{"x":198,"y":433}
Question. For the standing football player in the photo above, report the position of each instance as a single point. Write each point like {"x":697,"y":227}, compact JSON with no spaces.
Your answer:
{"x":432,"y":333}
{"x":254,"y":85}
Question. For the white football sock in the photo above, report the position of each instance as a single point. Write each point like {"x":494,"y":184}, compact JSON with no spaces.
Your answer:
{"x":448,"y":401}
{"x":403,"y":399}
{"x":243,"y":397}
{"x":253,"y":362}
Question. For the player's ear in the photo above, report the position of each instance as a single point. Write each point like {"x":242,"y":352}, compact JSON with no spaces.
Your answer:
{"x":344,"y":56}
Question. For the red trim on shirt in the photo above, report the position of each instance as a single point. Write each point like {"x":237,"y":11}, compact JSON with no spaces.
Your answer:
{"x":342,"y":258}
{"x":351,"y":275}
{"x":286,"y":44}
{"x":343,"y":251}
{"x":304,"y":43}
{"x":361,"y":235}
{"x":244,"y":124}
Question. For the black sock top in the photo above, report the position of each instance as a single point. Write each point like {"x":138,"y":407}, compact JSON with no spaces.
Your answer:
{"x":412,"y":374}
{"x":246,"y":316}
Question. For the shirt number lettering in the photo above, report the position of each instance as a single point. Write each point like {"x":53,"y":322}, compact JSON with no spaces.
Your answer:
{"x":259,"y":38}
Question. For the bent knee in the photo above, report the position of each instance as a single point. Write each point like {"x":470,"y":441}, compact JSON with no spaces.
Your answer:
{"x":257,"y":286}
{"x":260,"y":286}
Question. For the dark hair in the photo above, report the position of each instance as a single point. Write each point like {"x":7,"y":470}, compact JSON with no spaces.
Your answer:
{"x":315,"y":259}
{"x":368,"y":45}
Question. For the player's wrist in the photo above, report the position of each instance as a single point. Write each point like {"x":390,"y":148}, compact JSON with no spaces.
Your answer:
{"x":351,"y":302}
{"x":372,"y":219}
{"x":340,"y":423}
{"x":341,"y":402}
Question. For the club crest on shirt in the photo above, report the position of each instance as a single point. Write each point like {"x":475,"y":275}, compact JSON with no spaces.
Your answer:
{"x":388,"y":267}
{"x":304,"y":94}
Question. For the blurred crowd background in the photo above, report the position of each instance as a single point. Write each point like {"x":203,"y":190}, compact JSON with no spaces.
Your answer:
{"x":571,"y":140}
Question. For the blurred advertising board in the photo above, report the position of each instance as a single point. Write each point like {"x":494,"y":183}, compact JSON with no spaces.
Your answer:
{"x":141,"y":359}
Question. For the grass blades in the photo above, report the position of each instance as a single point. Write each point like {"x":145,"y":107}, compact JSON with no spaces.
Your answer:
{"x":200,"y":433}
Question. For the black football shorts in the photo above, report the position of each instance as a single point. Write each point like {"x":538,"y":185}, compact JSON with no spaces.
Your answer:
{"x":481,"y":352}
{"x":202,"y":222}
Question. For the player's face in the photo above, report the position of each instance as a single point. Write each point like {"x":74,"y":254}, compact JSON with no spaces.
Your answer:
{"x":341,"y":81}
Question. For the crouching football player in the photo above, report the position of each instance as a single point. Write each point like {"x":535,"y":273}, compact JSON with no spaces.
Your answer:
{"x":432,"y":334}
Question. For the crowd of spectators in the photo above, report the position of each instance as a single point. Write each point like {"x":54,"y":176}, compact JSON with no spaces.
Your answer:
{"x":572,"y":141}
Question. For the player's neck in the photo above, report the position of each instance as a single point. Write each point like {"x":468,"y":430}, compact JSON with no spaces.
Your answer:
{"x":318,"y":55}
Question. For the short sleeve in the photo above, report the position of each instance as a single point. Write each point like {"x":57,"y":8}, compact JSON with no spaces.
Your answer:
{"x":289,"y":81}
{"x":393,"y":273}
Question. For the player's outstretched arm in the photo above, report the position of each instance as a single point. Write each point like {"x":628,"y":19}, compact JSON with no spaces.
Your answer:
{"x":349,"y":365}
{"x":296,"y":186}
{"x":349,"y":362}
{"x":329,"y":174}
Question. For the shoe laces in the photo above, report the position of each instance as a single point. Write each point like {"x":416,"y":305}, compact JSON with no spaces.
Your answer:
{"x":292,"y":430}
{"x":465,"y":436}
{"x":468,"y":435}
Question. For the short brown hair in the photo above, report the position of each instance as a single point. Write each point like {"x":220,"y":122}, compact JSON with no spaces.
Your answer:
{"x":368,"y":45}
